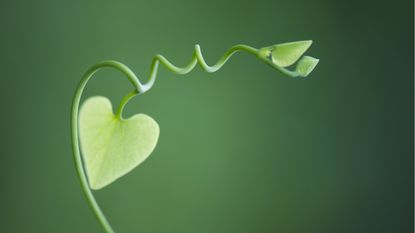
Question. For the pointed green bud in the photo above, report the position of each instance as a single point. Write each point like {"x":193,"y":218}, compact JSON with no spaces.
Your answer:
{"x":286,"y":54}
{"x":306,"y":65}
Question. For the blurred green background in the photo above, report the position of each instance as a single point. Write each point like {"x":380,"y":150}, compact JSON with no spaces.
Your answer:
{"x":242,"y":150}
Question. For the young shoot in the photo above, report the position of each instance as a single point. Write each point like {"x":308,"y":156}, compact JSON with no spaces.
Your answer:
{"x":106,"y":146}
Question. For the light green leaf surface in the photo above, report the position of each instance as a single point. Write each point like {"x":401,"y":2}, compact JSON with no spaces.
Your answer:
{"x":286,"y":54}
{"x":111,"y":146}
{"x":306,"y":65}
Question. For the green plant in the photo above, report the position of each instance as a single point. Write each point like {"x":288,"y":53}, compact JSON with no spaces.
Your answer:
{"x":112,"y":146}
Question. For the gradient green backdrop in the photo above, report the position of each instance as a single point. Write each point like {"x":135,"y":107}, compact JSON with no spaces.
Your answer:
{"x":243,"y":150}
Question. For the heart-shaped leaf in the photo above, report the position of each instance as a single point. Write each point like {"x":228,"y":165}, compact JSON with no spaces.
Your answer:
{"x":286,"y":54}
{"x":112,"y":146}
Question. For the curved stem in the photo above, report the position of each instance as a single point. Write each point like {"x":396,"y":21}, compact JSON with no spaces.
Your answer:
{"x":197,"y":58}
{"x":124,"y":101}
{"x":75,"y":140}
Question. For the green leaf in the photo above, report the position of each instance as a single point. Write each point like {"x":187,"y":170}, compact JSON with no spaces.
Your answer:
{"x":306,"y":65}
{"x":286,"y":54}
{"x":112,"y":146}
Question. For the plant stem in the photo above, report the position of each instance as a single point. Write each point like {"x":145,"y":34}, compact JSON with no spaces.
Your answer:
{"x":75,"y":139}
{"x":197,"y":58}
{"x":124,"y":101}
